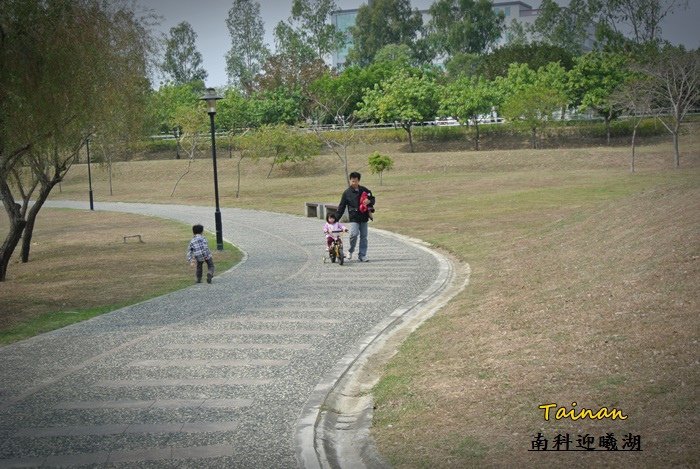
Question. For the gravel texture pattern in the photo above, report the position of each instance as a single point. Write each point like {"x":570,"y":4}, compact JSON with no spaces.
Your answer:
{"x":210,"y":376}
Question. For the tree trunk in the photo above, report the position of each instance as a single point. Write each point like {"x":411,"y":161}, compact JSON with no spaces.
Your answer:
{"x":28,"y":231}
{"x":676,"y":155}
{"x":238,"y":187}
{"x":410,"y":136}
{"x":634,"y":135}
{"x":177,"y":144}
{"x":9,"y":245}
{"x":380,"y":177}
{"x":607,"y":130}
{"x":476,"y":141}
{"x":274,"y":160}
{"x":16,"y":227}
{"x":534,"y":138}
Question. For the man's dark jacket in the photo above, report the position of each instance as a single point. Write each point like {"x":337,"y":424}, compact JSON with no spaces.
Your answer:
{"x":351,"y":200}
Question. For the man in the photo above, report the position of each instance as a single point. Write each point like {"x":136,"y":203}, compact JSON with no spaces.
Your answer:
{"x":360,"y":204}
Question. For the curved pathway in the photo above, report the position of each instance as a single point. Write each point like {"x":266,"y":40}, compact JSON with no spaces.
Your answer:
{"x":213,"y":375}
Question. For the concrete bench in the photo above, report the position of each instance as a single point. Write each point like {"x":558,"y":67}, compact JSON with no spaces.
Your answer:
{"x":321,"y":209}
{"x":133,"y":236}
{"x":314,"y":209}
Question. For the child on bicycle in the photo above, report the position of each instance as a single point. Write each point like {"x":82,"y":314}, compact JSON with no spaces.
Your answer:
{"x":330,"y":227}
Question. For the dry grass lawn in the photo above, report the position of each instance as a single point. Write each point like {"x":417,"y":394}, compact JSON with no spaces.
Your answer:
{"x":583,"y":289}
{"x":80,"y":266}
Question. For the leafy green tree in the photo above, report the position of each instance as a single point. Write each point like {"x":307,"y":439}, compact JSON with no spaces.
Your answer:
{"x":403,"y":99}
{"x":278,"y":106}
{"x":283,"y":144}
{"x":379,"y":163}
{"x":532,"y":108}
{"x":594,"y":78}
{"x":167,"y":98}
{"x":568,"y":27}
{"x":642,"y":18}
{"x":464,"y":26}
{"x":519,"y":78}
{"x":468,"y":99}
{"x":63,"y":65}
{"x":516,"y":34}
{"x":336,"y":96}
{"x":183,"y":62}
{"x":234,"y":110}
{"x":248,"y":50}
{"x":463,"y":65}
{"x":535,"y":55}
{"x":555,"y":77}
{"x":311,"y":18}
{"x":194,"y":124}
{"x":383,"y":22}
{"x":294,"y":66}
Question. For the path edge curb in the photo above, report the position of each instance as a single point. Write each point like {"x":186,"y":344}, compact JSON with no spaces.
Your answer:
{"x":333,"y":429}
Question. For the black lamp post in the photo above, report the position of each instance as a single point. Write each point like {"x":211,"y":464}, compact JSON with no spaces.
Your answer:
{"x":87,"y":145}
{"x":211,"y":97}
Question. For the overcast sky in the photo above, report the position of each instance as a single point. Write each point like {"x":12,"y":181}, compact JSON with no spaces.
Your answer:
{"x":208,"y":19}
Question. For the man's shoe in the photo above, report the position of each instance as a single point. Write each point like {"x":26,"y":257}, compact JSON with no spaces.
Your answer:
{"x":363,"y":259}
{"x":209,"y":278}
{"x":348,"y":256}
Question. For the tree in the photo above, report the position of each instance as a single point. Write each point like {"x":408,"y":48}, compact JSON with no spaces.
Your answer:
{"x":642,"y":17}
{"x":675,"y":88}
{"x":464,"y":26}
{"x":516,"y":34}
{"x":295,"y":64}
{"x":535,"y":55}
{"x":248,"y":50}
{"x":278,"y":106}
{"x":635,"y":98}
{"x":532,"y":108}
{"x":468,"y":99}
{"x":164,"y":105}
{"x":183,"y":62}
{"x":594,"y":78}
{"x":403,"y":99}
{"x":568,"y":27}
{"x":315,"y":31}
{"x":66,"y":66}
{"x":379,"y":163}
{"x":333,"y":99}
{"x":282,"y":144}
{"x":194,"y":124}
{"x":380,"y":23}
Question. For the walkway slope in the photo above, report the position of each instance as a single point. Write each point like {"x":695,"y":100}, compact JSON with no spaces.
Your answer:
{"x":210,"y":376}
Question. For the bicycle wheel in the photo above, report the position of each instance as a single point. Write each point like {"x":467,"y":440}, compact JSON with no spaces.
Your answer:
{"x":341,"y":255}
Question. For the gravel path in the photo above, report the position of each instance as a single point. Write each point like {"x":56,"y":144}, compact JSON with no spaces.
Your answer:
{"x":213,"y":375}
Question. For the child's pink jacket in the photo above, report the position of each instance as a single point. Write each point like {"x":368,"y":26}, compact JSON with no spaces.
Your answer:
{"x":329,"y":229}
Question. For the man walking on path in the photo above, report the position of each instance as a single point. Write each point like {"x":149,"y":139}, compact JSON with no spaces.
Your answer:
{"x":360,"y":204}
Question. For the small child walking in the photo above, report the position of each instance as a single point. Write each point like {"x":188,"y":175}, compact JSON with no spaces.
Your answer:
{"x":331,"y":226}
{"x":199,"y":253}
